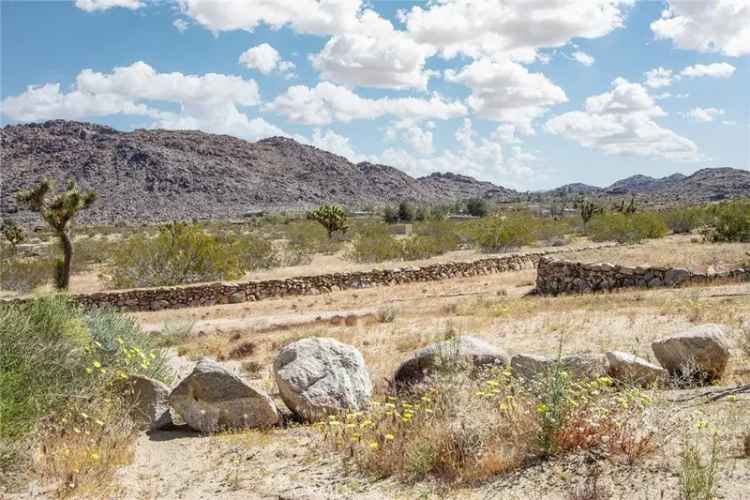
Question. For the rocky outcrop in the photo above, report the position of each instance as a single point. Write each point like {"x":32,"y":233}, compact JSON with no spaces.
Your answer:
{"x":631,"y":369}
{"x":316,"y":376}
{"x":211,"y":399}
{"x":459,"y":353}
{"x":556,"y":277}
{"x":531,"y":366}
{"x":149,"y":401}
{"x":700,"y":353}
{"x":162,"y":175}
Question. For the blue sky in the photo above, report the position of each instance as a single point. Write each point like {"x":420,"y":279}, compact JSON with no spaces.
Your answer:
{"x":528,"y":94}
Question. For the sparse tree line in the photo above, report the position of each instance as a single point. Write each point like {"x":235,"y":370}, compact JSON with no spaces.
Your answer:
{"x":190,"y":252}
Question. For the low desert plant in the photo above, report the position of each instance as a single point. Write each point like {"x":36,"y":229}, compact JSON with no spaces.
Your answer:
{"x":684,"y":220}
{"x":460,"y":428}
{"x":498,"y":234}
{"x":13,"y":233}
{"x":180,"y":253}
{"x":373,"y":243}
{"x":626,"y":228}
{"x":730,"y":221}
{"x":698,"y":474}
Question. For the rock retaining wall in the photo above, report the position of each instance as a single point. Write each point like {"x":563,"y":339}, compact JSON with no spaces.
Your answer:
{"x":555,"y":277}
{"x":151,"y":299}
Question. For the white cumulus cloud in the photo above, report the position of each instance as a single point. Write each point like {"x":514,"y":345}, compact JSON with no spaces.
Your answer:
{"x":507,"y":92}
{"x":582,"y":58}
{"x":706,"y":25}
{"x":659,"y":77}
{"x":326,"y":103}
{"x":716,"y":70}
{"x":513,"y":28}
{"x":622,"y":122}
{"x":704,"y":114}
{"x":265,"y":59}
{"x":207,"y":102}
{"x":94,"y":5}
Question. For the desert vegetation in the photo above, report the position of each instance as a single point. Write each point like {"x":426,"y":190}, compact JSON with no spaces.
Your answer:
{"x":183,"y":253}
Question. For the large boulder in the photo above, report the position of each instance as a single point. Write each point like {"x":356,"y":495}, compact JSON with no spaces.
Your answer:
{"x":628,"y":368}
{"x":699,"y":353}
{"x":317,"y":376}
{"x":457,"y":353}
{"x":149,"y":401}
{"x":530,"y":366}
{"x":211,"y":399}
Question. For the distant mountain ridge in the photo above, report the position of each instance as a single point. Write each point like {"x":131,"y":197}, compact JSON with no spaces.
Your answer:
{"x":158,"y":175}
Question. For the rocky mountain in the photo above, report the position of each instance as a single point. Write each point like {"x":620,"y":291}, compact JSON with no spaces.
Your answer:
{"x":643,"y":184}
{"x":156,"y":175}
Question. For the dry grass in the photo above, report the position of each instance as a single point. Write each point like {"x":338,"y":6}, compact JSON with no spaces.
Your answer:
{"x":676,"y":250}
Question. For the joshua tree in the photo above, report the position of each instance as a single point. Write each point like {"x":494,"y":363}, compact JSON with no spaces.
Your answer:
{"x":58,"y":210}
{"x":588,"y":209}
{"x":13,"y":233}
{"x":331,"y":217}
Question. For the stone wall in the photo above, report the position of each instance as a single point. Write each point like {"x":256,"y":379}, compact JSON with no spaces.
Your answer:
{"x":555,"y":277}
{"x":152,"y":299}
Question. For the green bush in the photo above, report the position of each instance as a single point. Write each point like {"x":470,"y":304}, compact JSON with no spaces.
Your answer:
{"x":373,"y":243}
{"x":309,"y":237}
{"x":477,"y":207}
{"x":626,"y":228}
{"x":55,"y":355}
{"x":502,"y":234}
{"x":684,"y":220}
{"x":731,"y":221}
{"x":254,"y":252}
{"x":180,"y":253}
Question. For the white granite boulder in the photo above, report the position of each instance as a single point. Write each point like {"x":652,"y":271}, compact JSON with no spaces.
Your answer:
{"x":317,"y":376}
{"x":628,"y":368}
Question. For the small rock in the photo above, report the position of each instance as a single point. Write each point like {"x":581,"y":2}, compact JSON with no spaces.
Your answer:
{"x":699,"y":353}
{"x":150,"y":401}
{"x":626,"y":367}
{"x":211,"y":399}
{"x":317,"y":375}
{"x":458,"y":352}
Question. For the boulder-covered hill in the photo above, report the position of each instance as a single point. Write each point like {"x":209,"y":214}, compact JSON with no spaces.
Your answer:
{"x":158,"y":175}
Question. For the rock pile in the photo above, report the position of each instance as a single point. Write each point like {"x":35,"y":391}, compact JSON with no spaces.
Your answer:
{"x":318,"y":376}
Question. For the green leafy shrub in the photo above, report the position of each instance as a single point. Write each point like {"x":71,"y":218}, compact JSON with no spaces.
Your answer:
{"x":373,"y":243}
{"x":477,"y":207}
{"x":308,"y":238}
{"x":180,"y":253}
{"x":731,"y":221}
{"x":54,"y":354}
{"x":684,"y":220}
{"x":254,"y":252}
{"x":498,"y":234}
{"x":625,"y":228}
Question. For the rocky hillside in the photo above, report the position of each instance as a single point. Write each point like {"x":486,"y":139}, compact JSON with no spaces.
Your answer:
{"x":156,"y":175}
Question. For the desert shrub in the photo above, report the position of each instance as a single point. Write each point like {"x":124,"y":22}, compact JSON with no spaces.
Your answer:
{"x":431,"y":238}
{"x":406,"y":212}
{"x":91,"y":251}
{"x":462,"y":429}
{"x":308,"y":237}
{"x":497,"y":234}
{"x":477,"y":207}
{"x":698,"y":474}
{"x":54,"y":354}
{"x":180,"y":253}
{"x":626,"y":228}
{"x":373,"y":243}
{"x":731,"y":221}
{"x":552,"y":231}
{"x":684,"y":220}
{"x":23,"y":275}
{"x":390,"y":215}
{"x":254,"y":252}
